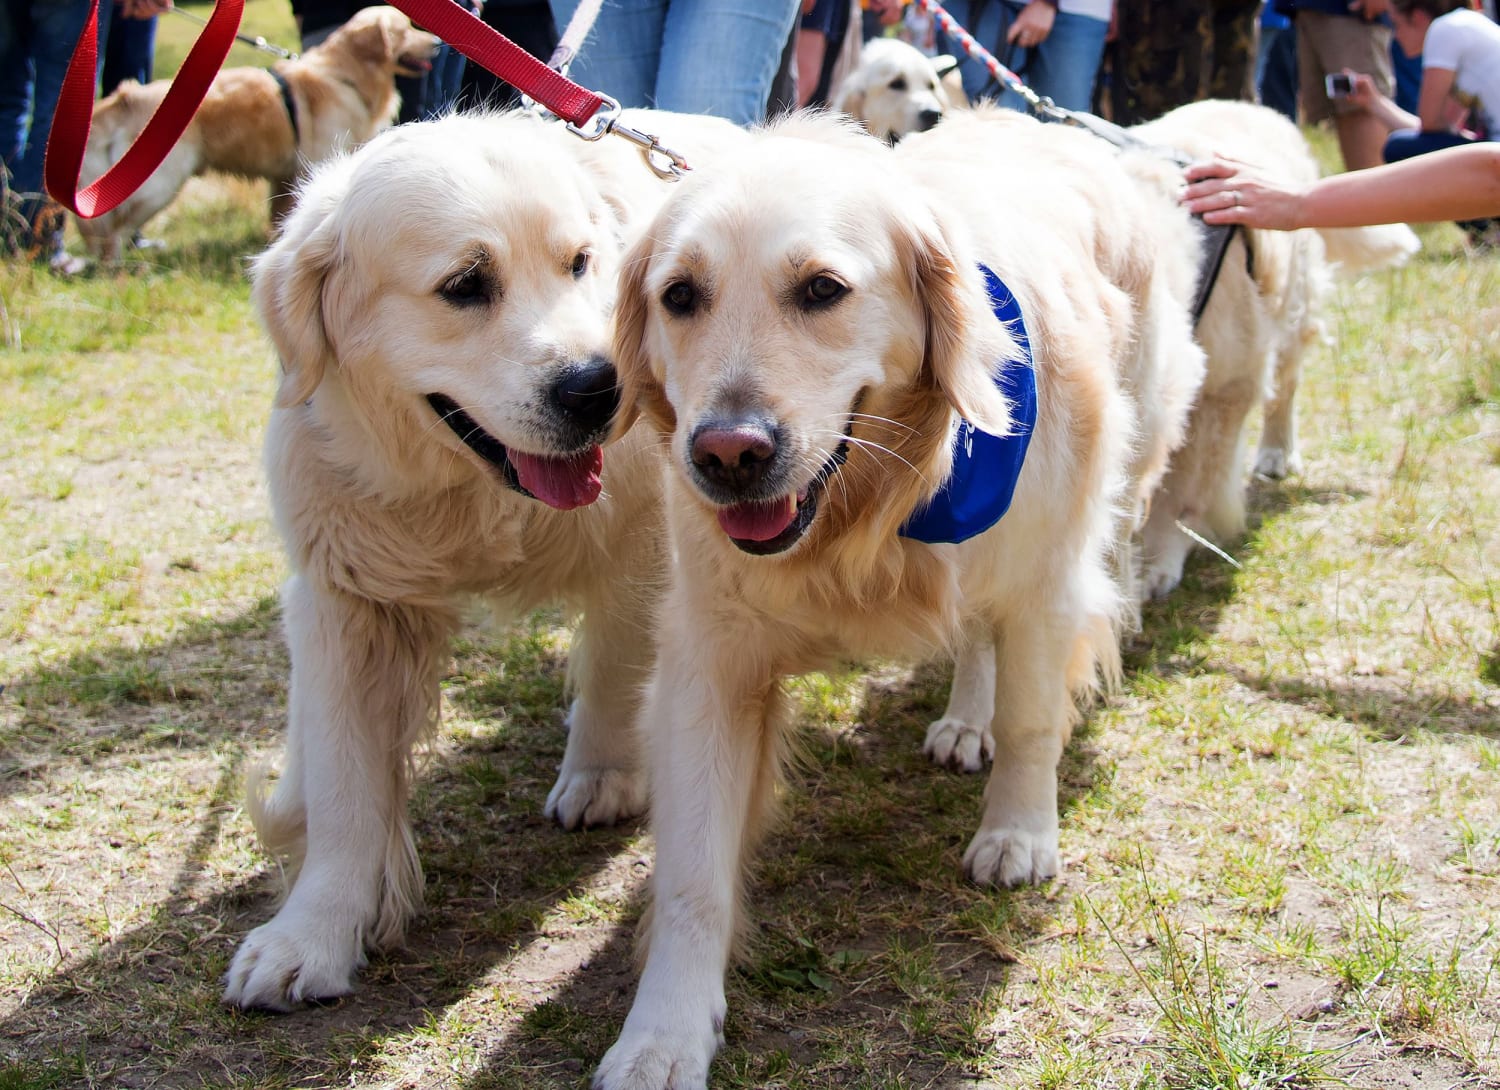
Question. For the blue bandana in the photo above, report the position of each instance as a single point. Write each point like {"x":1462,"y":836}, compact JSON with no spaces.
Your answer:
{"x":985,"y":467}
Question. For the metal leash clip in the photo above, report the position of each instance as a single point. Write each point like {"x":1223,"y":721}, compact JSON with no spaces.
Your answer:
{"x":663,"y":161}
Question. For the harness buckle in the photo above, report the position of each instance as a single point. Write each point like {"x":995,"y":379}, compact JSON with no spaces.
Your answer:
{"x":663,"y":161}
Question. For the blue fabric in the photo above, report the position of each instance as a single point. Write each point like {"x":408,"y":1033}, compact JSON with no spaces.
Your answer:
{"x":985,"y":467}
{"x":1404,"y":143}
{"x":692,"y":56}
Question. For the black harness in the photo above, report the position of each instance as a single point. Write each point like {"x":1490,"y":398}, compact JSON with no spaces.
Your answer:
{"x":289,"y":102}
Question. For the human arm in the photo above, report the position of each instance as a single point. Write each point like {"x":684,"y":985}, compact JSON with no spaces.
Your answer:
{"x":1365,"y":95}
{"x":1452,"y":184}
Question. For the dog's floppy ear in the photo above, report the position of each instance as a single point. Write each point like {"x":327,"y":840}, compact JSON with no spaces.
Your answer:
{"x":963,"y":342}
{"x":850,"y":98}
{"x":288,"y":286}
{"x":640,"y":392}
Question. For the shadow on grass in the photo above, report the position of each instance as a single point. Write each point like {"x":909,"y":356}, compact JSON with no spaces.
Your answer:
{"x":868,"y":946}
{"x":143,"y":1008}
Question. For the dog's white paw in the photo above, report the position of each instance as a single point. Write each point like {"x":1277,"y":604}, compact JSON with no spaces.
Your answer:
{"x":1162,"y":579}
{"x":1011,"y":857}
{"x":957,"y":744}
{"x":597,"y":796}
{"x":675,"y":1059}
{"x":280,"y":966}
{"x":1276,"y":463}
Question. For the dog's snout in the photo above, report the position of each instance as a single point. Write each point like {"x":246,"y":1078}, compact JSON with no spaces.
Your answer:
{"x":589,"y":395}
{"x":928,"y":117}
{"x":734,"y":454}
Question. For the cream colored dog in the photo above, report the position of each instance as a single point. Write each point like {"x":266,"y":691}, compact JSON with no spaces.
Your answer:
{"x":341,"y":93}
{"x":896,"y":90}
{"x":1263,"y":313}
{"x":441,"y":302}
{"x":819,"y":329}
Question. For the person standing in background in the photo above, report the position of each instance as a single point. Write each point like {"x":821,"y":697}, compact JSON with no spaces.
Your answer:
{"x":1276,"y":62}
{"x":1338,"y":36}
{"x":692,"y":56}
{"x":1053,"y":45}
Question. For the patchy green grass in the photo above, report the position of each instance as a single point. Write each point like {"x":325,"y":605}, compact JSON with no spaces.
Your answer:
{"x":1282,"y":840}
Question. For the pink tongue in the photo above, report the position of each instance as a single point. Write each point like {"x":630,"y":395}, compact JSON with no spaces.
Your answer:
{"x":563,"y":483}
{"x":758,"y":521}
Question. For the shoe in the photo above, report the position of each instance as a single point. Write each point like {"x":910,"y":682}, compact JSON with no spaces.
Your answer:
{"x":1482,"y":234}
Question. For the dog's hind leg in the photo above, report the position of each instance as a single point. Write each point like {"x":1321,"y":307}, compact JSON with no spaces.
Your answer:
{"x":364,"y":686}
{"x":961,"y":738}
{"x":601,"y":780}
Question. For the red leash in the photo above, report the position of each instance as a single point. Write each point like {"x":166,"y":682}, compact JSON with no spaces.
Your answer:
{"x":463,"y":31}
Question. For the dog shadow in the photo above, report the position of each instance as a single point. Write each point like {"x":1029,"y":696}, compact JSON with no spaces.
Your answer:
{"x":142,"y":1007}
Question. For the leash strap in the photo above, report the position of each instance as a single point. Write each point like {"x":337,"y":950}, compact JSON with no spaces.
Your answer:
{"x":75,"y":110}
{"x":464,"y":31}
{"x":571,"y":42}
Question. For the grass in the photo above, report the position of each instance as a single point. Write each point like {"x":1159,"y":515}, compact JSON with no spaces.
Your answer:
{"x":1282,"y":843}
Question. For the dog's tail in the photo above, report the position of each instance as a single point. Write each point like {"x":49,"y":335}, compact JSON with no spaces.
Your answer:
{"x":1356,"y":250}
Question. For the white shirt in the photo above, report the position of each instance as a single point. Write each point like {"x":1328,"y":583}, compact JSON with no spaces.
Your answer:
{"x":1094,"y":9}
{"x":1467,"y":44}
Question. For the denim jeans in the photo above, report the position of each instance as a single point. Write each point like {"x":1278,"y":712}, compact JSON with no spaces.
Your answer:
{"x":36,"y":42}
{"x":1062,"y":68}
{"x":692,"y":56}
{"x":1404,"y":143}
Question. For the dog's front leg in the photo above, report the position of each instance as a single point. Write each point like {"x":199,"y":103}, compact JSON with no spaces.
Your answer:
{"x":1017,"y":839}
{"x":602,"y":779}
{"x":363,"y":687}
{"x":962,"y":738}
{"x":713,"y":721}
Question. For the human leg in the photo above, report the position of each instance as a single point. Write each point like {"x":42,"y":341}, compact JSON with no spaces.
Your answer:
{"x":720,"y":56}
{"x":621,"y":55}
{"x":1064,"y":66}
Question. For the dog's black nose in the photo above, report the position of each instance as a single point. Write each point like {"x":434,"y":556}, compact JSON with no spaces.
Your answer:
{"x":734,"y":454}
{"x":927,"y":118}
{"x":589,"y":395}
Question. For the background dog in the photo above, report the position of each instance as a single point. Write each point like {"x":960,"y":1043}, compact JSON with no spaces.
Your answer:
{"x":1263,"y":313}
{"x":440,"y":302}
{"x":806,"y":326}
{"x":896,"y":89}
{"x":260,"y":123}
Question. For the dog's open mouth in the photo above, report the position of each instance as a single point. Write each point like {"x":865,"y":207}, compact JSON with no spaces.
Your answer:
{"x":767,"y":527}
{"x":561,"y":481}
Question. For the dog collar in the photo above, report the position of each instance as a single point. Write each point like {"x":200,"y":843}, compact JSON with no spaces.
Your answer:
{"x":982,"y":481}
{"x":289,"y":102}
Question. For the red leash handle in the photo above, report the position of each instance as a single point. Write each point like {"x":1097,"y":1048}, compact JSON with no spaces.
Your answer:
{"x":464,"y":31}
{"x":75,"y":111}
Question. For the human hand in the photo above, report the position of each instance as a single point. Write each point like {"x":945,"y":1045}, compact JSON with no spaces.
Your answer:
{"x":1362,"y":92}
{"x":1369,"y":10}
{"x":1223,"y":191}
{"x":144,"y":9}
{"x":1031,"y":27}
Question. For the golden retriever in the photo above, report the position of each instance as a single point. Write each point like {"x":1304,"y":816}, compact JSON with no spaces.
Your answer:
{"x":341,"y":93}
{"x":814,"y":330}
{"x":440,"y":303}
{"x":1263,"y":313}
{"x":896,"y":90}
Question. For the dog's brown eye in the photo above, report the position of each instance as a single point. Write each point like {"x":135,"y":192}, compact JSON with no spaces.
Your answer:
{"x":471,"y":288}
{"x":898,"y":84}
{"x":679,"y":298}
{"x":821,"y":291}
{"x":580,"y":263}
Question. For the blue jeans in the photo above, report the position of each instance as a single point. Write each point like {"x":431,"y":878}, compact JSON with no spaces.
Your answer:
{"x":1405,"y":143}
{"x":692,"y":56}
{"x":1062,"y":68}
{"x":130,"y":52}
{"x":1276,"y":69}
{"x":36,"y":42}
